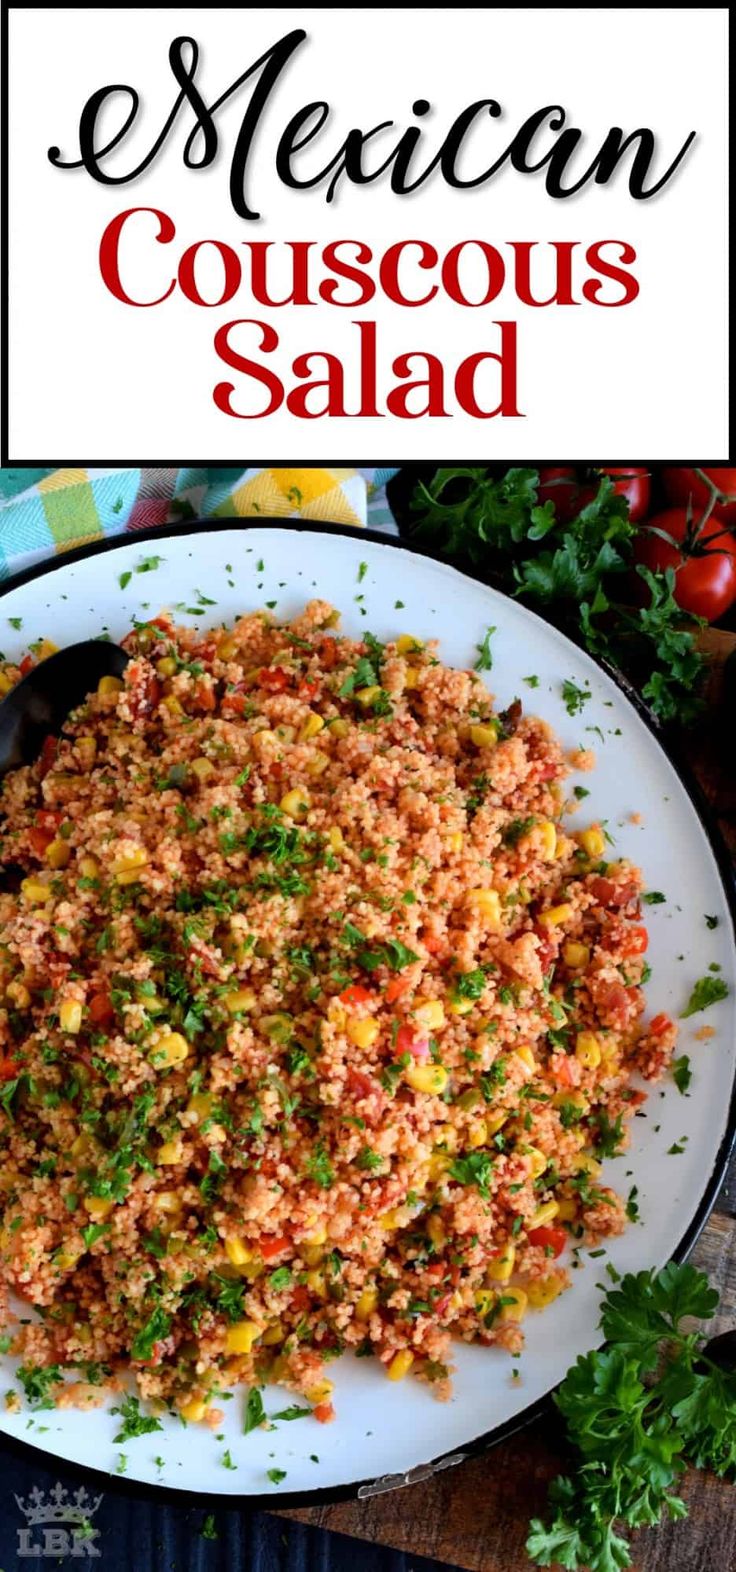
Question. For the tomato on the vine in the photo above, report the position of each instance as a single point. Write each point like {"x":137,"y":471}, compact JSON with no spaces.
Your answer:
{"x":685,"y":485}
{"x":570,"y":495}
{"x":703,"y":557}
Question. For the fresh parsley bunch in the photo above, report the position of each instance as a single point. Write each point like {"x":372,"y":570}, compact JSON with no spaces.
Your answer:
{"x":578,"y":570}
{"x":637,"y":1411}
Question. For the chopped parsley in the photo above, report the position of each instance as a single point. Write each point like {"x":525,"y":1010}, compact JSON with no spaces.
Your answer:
{"x":707,"y":991}
{"x":574,"y":697}
{"x":485,"y":658}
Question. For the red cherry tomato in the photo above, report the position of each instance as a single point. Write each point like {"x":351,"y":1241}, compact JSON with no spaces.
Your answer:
{"x":355,"y":994}
{"x":569,"y":494}
{"x":273,"y":678}
{"x":683,"y":486}
{"x":705,"y":580}
{"x":633,"y":483}
{"x":553,"y":1239}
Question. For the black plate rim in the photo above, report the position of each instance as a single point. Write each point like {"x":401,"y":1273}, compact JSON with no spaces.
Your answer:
{"x":490,"y":1438}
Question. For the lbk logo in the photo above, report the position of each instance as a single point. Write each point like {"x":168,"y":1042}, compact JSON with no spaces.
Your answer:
{"x":45,"y":1535}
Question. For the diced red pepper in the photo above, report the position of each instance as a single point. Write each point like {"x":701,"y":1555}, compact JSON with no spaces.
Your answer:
{"x":355,"y":994}
{"x":329,"y":653}
{"x":395,"y":988}
{"x":408,"y":1040}
{"x":8,"y":1068}
{"x":607,"y":893}
{"x":48,"y":818}
{"x":233,"y":702}
{"x":204,"y":697}
{"x":435,"y":945}
{"x":563,"y":1072}
{"x":659,"y":1024}
{"x":27,"y":664}
{"x":360,"y":1084}
{"x":324,"y":1412}
{"x":553,"y":1239}
{"x":636,"y":941}
{"x":40,"y":839}
{"x":301,"y":1298}
{"x":273,"y":678}
{"x":270,"y":1245}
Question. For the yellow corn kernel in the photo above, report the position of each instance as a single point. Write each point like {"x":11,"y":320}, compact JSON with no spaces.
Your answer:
{"x":202,"y":768}
{"x":319,"y":1391}
{"x":406,"y":644}
{"x":315,"y":1281}
{"x":98,"y":1207}
{"x":58,"y":853}
{"x":366,"y":697}
{"x":544,"y":1214}
{"x":555,"y":915}
{"x":201,"y":1104}
{"x":88,"y":867}
{"x":35,"y":891}
{"x":338,"y":726}
{"x":411,"y":678}
{"x":166,"y":666}
{"x":173,"y":704}
{"x":312,"y":725}
{"x":193,"y":1411}
{"x":44,"y":648}
{"x":86,"y":751}
{"x":170,"y":1049}
{"x":168,"y":1201}
{"x":295,"y":803}
{"x":241,"y":1336}
{"x":526,"y":1054}
{"x":537,"y":1161}
{"x":501,"y":1268}
{"x":170,"y":1152}
{"x":610,"y":1058}
{"x":84,"y":1146}
{"x":460,"y":1006}
{"x":543,"y":1291}
{"x":227,"y":648}
{"x":477,"y":1133}
{"x":567,"y":1209}
{"x":430,"y":1014}
{"x":488,"y":903}
{"x":237,"y":1253}
{"x":437,"y":1166}
{"x":312,"y":1254}
{"x":390,"y":1220}
{"x":274,"y":1334}
{"x":578,"y":1100}
{"x":588,"y":1050}
{"x":436,"y":1230}
{"x":336,"y":838}
{"x":66,"y":1260}
{"x":575,"y":955}
{"x":367,"y":1304}
{"x":547,"y":835}
{"x":447,"y":1134}
{"x":317,"y":765}
{"x":454,"y":841}
{"x":70,"y":1015}
{"x":6,"y":683}
{"x":485,"y":1299}
{"x":240,"y":999}
{"x":516,"y":1309}
{"x":586,"y":1163}
{"x":593,"y":842}
{"x":400,"y":1365}
{"x":362,"y":1032}
{"x":496,"y":1122}
{"x":483,"y":736}
{"x":108,"y":685}
{"x":18,"y":995}
{"x":426,"y":1078}
{"x":126,"y":868}
{"x":317,"y":1236}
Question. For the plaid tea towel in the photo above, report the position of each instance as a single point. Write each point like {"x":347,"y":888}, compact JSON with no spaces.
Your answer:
{"x":63,"y":508}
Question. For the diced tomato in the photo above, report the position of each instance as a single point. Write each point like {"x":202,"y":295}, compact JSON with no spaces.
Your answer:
{"x":27,"y":664}
{"x":435,"y":1269}
{"x":563,"y":1072}
{"x":410,"y":1041}
{"x":553,"y":1239}
{"x":48,"y":818}
{"x":144,"y":692}
{"x":47,"y":755}
{"x":101,"y":1012}
{"x":8,"y":1068}
{"x":606,"y":893}
{"x":659,"y":1024}
{"x":270,"y":1245}
{"x":636,"y":941}
{"x":395,"y":988}
{"x":547,"y":772}
{"x":547,"y":945}
{"x":443,"y":1303}
{"x":325,"y":1413}
{"x":155,"y":1356}
{"x":233,"y":702}
{"x":301,"y":1298}
{"x":40,"y":839}
{"x":355,"y":994}
{"x":360,"y":1084}
{"x":308,"y":686}
{"x":204,"y":697}
{"x":435,"y":945}
{"x":329,"y":653}
{"x":273,"y":678}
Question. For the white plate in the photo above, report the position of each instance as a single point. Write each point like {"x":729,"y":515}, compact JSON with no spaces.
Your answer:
{"x":382,"y":1428}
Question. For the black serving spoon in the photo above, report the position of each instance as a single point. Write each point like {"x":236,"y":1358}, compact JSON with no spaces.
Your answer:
{"x":39,"y":704}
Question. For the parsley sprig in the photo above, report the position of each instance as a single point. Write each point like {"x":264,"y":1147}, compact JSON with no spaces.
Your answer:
{"x":637,"y":1411}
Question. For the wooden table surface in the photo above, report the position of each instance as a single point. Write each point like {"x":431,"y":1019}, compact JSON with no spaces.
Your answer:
{"x":476,"y":1515}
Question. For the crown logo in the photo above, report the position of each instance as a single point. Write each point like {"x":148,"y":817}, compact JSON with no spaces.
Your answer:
{"x":58,"y":1506}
